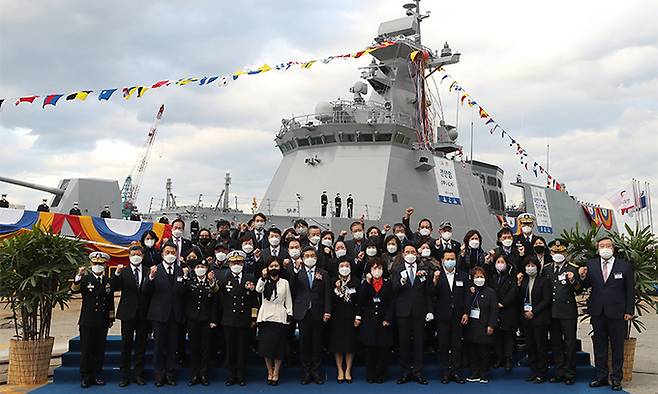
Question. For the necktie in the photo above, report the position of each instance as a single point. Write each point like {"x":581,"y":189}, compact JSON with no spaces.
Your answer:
{"x":169,"y":271}
{"x":136,"y":273}
{"x":310,"y":278}
{"x":412,"y":276}
{"x":605,"y":271}
{"x":237,"y":278}
{"x":177,"y":249}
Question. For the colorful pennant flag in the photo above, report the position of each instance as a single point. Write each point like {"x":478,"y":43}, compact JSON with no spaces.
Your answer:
{"x":106,"y":94}
{"x":308,"y":65}
{"x":26,"y":99}
{"x":159,"y":84}
{"x":483,"y":113}
{"x":2,"y":101}
{"x":81,"y":95}
{"x":51,"y":100}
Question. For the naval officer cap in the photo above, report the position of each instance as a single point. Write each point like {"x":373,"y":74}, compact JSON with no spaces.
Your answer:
{"x":526,"y":218}
{"x":558,"y":246}
{"x":236,"y":256}
{"x":445,"y":224}
{"x":99,"y":257}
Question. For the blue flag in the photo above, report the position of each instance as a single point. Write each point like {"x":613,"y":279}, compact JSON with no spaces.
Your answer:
{"x":105,"y":94}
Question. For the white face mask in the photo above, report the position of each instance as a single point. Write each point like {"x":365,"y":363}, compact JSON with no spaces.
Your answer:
{"x":169,"y":258}
{"x":479,"y":282}
{"x":425,"y":232}
{"x":98,"y":269}
{"x":200,"y":271}
{"x":371,"y":251}
{"x":275,"y":241}
{"x":400,"y":236}
{"x":220,"y":256}
{"x":247,"y":248}
{"x":236,"y":268}
{"x":294,"y":253}
{"x":135,"y":260}
{"x":527,"y":230}
{"x":410,"y":258}
{"x":309,"y":262}
{"x":344,"y":271}
{"x":507,"y":242}
{"x":425,"y":252}
{"x":392,"y":248}
{"x":327,"y":242}
{"x":315,"y":239}
{"x":606,"y":253}
{"x":377,"y":273}
{"x":177,"y":233}
{"x":500,"y":267}
{"x":259,"y":225}
{"x":532,"y":271}
{"x":149,"y":243}
{"x":302,"y":230}
{"x":474,"y":244}
{"x":341,"y":252}
{"x":558,"y":257}
{"x":446,"y":235}
{"x":358,"y":235}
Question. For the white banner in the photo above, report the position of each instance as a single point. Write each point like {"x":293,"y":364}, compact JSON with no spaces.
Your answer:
{"x":542,"y":214}
{"x":446,"y":181}
{"x":624,"y":200}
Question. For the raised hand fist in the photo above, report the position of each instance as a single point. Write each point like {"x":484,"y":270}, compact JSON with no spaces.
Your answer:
{"x":81,"y":270}
{"x":338,"y":284}
{"x":186,"y":271}
{"x":437,"y":274}
{"x":387,"y":227}
{"x":211,"y":276}
{"x":154,"y":269}
{"x":343,"y":233}
{"x":582,"y":271}
{"x":119,"y":268}
{"x":286,"y":263}
{"x":409,"y":211}
{"x":360,"y":256}
{"x":257,"y":254}
{"x":369,"y":278}
{"x":519,"y":278}
{"x":264,"y":273}
{"x":570,"y":276}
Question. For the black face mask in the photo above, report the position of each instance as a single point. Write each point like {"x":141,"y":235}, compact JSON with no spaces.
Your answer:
{"x":224,"y":233}
{"x":540,"y":249}
{"x":274,"y":272}
{"x":204,"y":241}
{"x":191,"y":262}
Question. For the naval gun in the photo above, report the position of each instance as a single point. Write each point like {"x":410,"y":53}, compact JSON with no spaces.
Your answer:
{"x":91,"y":194}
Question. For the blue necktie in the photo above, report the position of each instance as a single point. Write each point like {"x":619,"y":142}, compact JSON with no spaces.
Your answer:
{"x":310,"y":278}
{"x":136,"y":273}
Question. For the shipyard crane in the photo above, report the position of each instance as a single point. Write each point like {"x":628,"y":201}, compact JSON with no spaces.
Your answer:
{"x":131,"y":185}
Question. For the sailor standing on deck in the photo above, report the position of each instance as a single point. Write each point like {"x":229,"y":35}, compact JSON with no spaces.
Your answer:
{"x":324,"y":201}
{"x":3,"y":201}
{"x":75,"y":210}
{"x":96,"y":317}
{"x":339,"y":202}
{"x":43,"y":207}
{"x":350,"y":206}
{"x":105,"y":213}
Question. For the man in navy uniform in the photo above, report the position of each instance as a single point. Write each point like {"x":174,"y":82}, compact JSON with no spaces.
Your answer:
{"x":350,"y":206}
{"x":43,"y":207}
{"x":106,"y":213}
{"x":324,"y":201}
{"x":75,"y":211}
{"x":527,"y":238}
{"x":610,"y":306}
{"x":96,"y":317}
{"x":5,"y":204}
{"x":339,"y":202}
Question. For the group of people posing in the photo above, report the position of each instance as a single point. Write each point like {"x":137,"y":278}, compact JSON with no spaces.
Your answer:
{"x":309,"y":291}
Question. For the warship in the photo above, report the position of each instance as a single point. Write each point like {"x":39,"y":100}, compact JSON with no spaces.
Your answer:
{"x":381,"y":149}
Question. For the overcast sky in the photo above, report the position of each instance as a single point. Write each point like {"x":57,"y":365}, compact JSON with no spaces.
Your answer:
{"x":581,"y":76}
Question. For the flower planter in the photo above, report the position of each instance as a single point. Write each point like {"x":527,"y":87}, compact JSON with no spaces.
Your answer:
{"x":29,"y":361}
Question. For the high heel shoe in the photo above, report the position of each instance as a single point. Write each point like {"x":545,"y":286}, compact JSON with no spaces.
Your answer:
{"x":275,"y":382}
{"x":340,"y":381}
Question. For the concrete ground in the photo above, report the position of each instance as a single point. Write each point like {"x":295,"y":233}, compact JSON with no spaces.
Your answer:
{"x":645,"y":371}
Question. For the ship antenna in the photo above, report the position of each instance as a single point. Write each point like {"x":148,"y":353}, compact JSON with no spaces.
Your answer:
{"x":413,"y":9}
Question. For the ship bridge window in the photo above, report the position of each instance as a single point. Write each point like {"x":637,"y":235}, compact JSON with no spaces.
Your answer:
{"x":364,"y":137}
{"x":282,"y":148}
{"x":494,"y":201}
{"x":347,"y":138}
{"x":383,"y":137}
{"x":316,"y":140}
{"x":330,"y":138}
{"x":491,"y":181}
{"x":303,"y":142}
{"x":401,"y":139}
{"x":499,"y":184}
{"x":482,"y":178}
{"x":394,"y":197}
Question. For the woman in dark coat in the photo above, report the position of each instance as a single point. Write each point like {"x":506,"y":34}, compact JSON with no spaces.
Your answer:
{"x":326,"y":256}
{"x":535,"y":297}
{"x":482,"y":319}
{"x":376,"y":333}
{"x":503,"y":281}
{"x":343,"y":322}
{"x":392,"y":255}
{"x":149,"y":241}
{"x":471,"y":254}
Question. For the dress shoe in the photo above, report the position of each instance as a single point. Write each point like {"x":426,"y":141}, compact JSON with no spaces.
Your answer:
{"x":445,"y":379}
{"x":99,"y":382}
{"x":306,"y":379}
{"x":508,"y":365}
{"x":124,"y":382}
{"x":555,"y":379}
{"x":242,"y":382}
{"x":530,"y":378}
{"x":569,"y":381}
{"x":159,"y":383}
{"x":340,"y":381}
{"x":475,"y":378}
{"x":85,"y":383}
{"x":616,"y":386}
{"x":170,"y":380}
{"x":348,"y":381}
{"x":275,"y":382}
{"x":269,"y":382}
{"x":458,"y":378}
{"x":370,"y":381}
{"x":230,"y":382}
{"x":140,"y":381}
{"x":403,"y":379}
{"x":421,"y":379}
{"x":539,"y":380}
{"x":484,"y":379}
{"x":193,"y":381}
{"x":204,"y":381}
{"x":598,"y":383}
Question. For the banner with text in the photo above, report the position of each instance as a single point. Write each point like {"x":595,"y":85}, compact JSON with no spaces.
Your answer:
{"x":446,"y":181}
{"x":542,"y":214}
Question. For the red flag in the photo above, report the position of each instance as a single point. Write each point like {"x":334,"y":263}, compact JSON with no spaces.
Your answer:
{"x":27,"y":99}
{"x":160,"y":84}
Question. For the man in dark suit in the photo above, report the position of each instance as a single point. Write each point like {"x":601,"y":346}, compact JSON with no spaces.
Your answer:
{"x":311,"y":294}
{"x":445,"y":242}
{"x":133,"y":306}
{"x":166,"y":285}
{"x":259,"y":233}
{"x":239,"y":308}
{"x":96,"y":317}
{"x":274,"y":249}
{"x":450,"y":289}
{"x":424,"y":233}
{"x":355,"y":245}
{"x":412,"y":284}
{"x":183,"y":245}
{"x":324,"y":201}
{"x":611,"y":306}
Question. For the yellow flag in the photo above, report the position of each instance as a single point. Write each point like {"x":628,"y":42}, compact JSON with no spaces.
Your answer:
{"x":308,"y":64}
{"x":264,"y":68}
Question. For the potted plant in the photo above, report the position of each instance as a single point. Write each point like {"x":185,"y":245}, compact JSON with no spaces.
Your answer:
{"x":640,"y":248}
{"x":35,"y":272}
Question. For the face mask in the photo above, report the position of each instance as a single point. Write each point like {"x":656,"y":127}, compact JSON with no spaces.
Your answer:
{"x":500,"y":267}
{"x":527,"y":230}
{"x":374,"y":237}
{"x":135,"y":260}
{"x":558,"y":258}
{"x":507,"y":242}
{"x":220,"y":256}
{"x":449,"y":264}
{"x":204,"y":241}
{"x":275,"y":241}
{"x":539,"y":249}
{"x":327,"y":242}
{"x":426,"y":253}
{"x":410,"y":258}
{"x":169,"y":259}
{"x":606,"y":253}
{"x":377,"y":273}
{"x":200,"y":271}
{"x":532,"y":271}
{"x":236,"y":268}
{"x":247,"y":248}
{"x":273,"y":272}
{"x":344,"y":271}
{"x":479,"y":281}
{"x":446,"y":235}
{"x":259,"y":225}
{"x":302,"y":230}
{"x":392,"y":248}
{"x":341,"y":252}
{"x":314,"y":240}
{"x":294,"y":253}
{"x":371,"y":251}
{"x":98,"y":269}
{"x":474,"y":244}
{"x":400,"y":236}
{"x":358,"y":235}
{"x":149,"y":243}
{"x":177,"y":233}
{"x":224,"y":233}
{"x":309,"y":262}
{"x":425,"y":232}
{"x":192,"y":262}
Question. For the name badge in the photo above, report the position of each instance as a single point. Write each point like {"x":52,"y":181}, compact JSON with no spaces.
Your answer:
{"x":527,"y":307}
{"x":351,"y":291}
{"x":422,"y":279}
{"x":619,"y":275}
{"x":562,"y":277}
{"x":459,"y":283}
{"x":179,"y":279}
{"x":376,"y":300}
{"x":475,"y":313}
